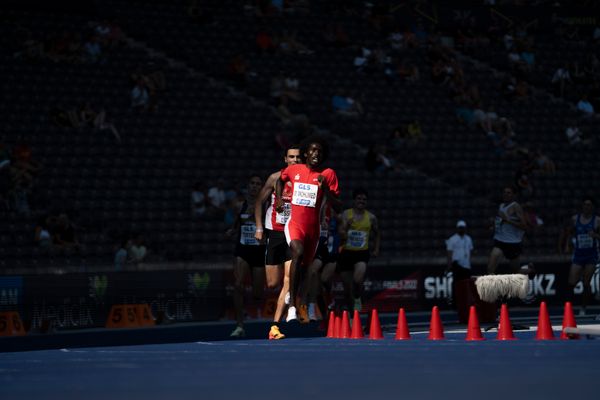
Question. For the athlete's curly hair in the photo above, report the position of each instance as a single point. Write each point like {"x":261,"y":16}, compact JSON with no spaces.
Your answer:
{"x":318,"y":140}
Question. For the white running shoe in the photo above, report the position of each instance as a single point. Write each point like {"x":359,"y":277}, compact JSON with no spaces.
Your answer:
{"x":238,"y":332}
{"x":312,"y":312}
{"x":291,"y":314}
{"x":287,"y":299}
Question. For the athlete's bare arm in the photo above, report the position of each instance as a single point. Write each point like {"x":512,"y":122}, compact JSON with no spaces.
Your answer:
{"x":377,"y":233}
{"x":263,"y":196}
{"x":236,"y":224}
{"x":278,"y":190}
{"x":335,"y":202}
{"x":566,"y":233}
{"x":345,"y":222}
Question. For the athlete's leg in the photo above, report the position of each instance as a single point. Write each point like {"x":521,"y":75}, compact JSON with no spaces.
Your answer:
{"x":326,"y":278}
{"x":494,"y":260}
{"x":588,"y":273}
{"x":297,"y":248}
{"x":241,"y":269}
{"x":515,"y":265}
{"x":313,"y":280}
{"x":258,"y":282}
{"x":348,"y":281}
{"x":358,"y":279}
{"x":285,"y":288}
{"x":273,"y":275}
{"x":314,"y":285}
{"x":574,"y":276}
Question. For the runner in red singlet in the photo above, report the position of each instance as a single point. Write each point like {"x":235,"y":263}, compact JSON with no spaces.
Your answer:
{"x":312,"y":184}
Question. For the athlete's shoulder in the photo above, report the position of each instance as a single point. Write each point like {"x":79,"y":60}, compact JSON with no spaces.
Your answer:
{"x":328,"y":171}
{"x":276,"y":174}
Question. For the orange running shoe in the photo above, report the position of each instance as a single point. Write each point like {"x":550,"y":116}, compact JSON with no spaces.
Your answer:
{"x":274,"y":333}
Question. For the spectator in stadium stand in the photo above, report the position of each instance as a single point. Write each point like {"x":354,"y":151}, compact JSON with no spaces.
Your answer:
{"x":42,"y":233}
{"x":199,"y":199}
{"x":265,"y":42}
{"x":583,"y":230}
{"x":140,"y":97}
{"x":217,"y":200}
{"x":122,"y":254}
{"x":528,"y":58}
{"x":575,"y":136}
{"x":65,"y":238}
{"x":377,"y":160}
{"x":458,"y":256}
{"x":4,"y":175}
{"x":237,"y":71}
{"x":335,"y":35}
{"x":97,"y":121}
{"x":585,"y":106}
{"x":297,"y":122}
{"x":543,"y":163}
{"x":521,"y":91}
{"x":93,"y":50}
{"x":137,"y":252}
{"x":345,"y":105}
{"x":289,"y":44}
{"x":24,"y":169}
{"x":560,"y":79}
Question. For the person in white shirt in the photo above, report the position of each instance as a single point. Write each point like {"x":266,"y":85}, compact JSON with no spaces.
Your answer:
{"x":458,"y":252}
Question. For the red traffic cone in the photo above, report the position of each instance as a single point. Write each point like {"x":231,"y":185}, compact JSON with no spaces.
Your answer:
{"x":544,"y":331}
{"x":357,"y":331}
{"x":337,"y":331}
{"x":402,"y":332}
{"x":505,"y":331}
{"x":375,"y":328}
{"x":473,"y":329}
{"x":568,"y":322}
{"x":331,"y":325}
{"x":436,"y":329}
{"x":345,"y":333}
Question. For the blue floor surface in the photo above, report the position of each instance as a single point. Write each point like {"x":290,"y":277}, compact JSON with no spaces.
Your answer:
{"x":310,"y":369}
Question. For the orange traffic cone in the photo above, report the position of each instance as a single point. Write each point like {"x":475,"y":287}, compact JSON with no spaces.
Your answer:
{"x":436,"y":329}
{"x":568,"y":322}
{"x":544,"y":331}
{"x":402,"y":332}
{"x":473,"y":329}
{"x":357,"y":331}
{"x":345,"y":333}
{"x":337,"y":327}
{"x":331,"y":325}
{"x":375,"y":328}
{"x":505,"y":331}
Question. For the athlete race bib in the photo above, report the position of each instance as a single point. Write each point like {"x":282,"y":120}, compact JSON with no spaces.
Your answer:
{"x":305,"y":194}
{"x":498,"y":222}
{"x":247,"y":236}
{"x":282,"y":217}
{"x":585,"y":241}
{"x":356,"y":239}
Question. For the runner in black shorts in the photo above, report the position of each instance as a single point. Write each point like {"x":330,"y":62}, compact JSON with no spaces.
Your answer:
{"x":357,"y":226}
{"x":278,"y":256}
{"x":249,"y":254}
